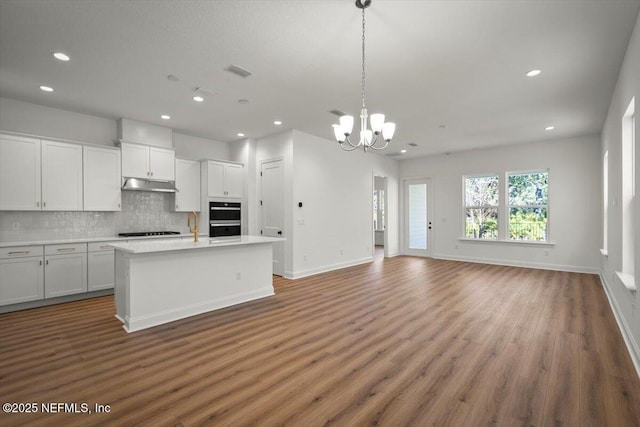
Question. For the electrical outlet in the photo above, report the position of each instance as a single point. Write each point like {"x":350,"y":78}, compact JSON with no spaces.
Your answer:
{"x":304,"y":257}
{"x":15,"y":225}
{"x":546,"y":253}
{"x":456,"y":247}
{"x":341,"y":251}
{"x":238,"y":276}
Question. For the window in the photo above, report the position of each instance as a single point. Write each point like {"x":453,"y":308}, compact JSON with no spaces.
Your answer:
{"x":481,"y":207}
{"x":605,"y":201}
{"x":528,"y":205}
{"x":628,"y":195}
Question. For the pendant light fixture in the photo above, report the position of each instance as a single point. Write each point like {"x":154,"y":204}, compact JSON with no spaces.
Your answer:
{"x":368,"y":137}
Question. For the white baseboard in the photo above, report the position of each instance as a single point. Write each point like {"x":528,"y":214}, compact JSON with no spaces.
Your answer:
{"x":325,"y":268}
{"x":524,"y":264}
{"x":632,"y":345}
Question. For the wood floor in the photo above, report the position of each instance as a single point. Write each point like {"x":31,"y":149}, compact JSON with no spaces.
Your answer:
{"x":401,"y":341}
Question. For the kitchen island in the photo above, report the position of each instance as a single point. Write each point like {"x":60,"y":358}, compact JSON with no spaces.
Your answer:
{"x":165,"y":280}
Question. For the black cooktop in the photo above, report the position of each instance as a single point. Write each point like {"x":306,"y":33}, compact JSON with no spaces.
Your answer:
{"x":148,"y":233}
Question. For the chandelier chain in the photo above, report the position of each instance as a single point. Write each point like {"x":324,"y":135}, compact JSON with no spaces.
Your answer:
{"x":363,"y":104}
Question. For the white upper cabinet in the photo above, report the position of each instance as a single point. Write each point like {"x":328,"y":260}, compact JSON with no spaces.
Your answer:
{"x":233,"y":180}
{"x":143,"y":161}
{"x":20,"y":177}
{"x":224,"y":179}
{"x":102,"y":179}
{"x":188,"y":184}
{"x":61,"y":176}
{"x":162,"y":164}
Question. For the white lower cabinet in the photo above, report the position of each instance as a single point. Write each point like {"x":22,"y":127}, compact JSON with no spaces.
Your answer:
{"x":101,"y":266}
{"x":21,"y":274}
{"x":65,"y":269}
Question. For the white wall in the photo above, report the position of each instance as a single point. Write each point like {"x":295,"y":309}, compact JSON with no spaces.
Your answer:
{"x":336,"y":189}
{"x":574,"y":205}
{"x":625,"y":303}
{"x":33,"y":119}
{"x":196,"y":148}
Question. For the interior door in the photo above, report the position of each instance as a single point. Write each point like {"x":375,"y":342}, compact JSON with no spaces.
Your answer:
{"x":418,"y":224}
{"x":272,"y":199}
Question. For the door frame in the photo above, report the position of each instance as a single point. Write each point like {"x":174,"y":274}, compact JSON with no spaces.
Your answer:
{"x":386,"y":213}
{"x":405,"y":204}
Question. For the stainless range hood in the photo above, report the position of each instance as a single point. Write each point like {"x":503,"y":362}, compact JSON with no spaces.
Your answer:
{"x":139,"y":184}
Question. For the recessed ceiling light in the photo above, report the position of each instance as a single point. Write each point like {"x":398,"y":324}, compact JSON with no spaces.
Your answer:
{"x":173,"y":78}
{"x":277,"y":122}
{"x":240,"y":134}
{"x":442,"y":126}
{"x":198,"y":98}
{"x":533,"y":73}
{"x":243,"y":101}
{"x":46,"y":88}
{"x":550,"y":128}
{"x":403,"y":151}
{"x":165,"y":117}
{"x":61,"y":56}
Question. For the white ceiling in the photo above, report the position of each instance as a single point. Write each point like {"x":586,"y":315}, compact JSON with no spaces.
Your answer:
{"x":429,"y":63}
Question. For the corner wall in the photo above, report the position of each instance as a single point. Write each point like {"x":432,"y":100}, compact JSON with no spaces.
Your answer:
{"x":624,"y":302}
{"x":574,"y":205}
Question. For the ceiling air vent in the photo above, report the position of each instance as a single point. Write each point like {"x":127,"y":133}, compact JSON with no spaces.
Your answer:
{"x":413,"y":144}
{"x":338,"y":113}
{"x":238,"y":71}
{"x":204,"y":91}
{"x":397,"y":153}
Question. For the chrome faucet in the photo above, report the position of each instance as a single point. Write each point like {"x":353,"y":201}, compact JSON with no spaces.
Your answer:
{"x":193,"y":229}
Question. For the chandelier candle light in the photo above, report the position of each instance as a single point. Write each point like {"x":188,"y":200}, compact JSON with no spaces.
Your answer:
{"x":368,"y":137}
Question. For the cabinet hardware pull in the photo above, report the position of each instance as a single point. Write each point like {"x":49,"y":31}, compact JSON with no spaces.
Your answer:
{"x":118,"y":204}
{"x":47,"y":262}
{"x":66,"y":249}
{"x":40,"y":262}
{"x":44,"y":204}
{"x":105,"y":247}
{"x":19,"y":252}
{"x":38,"y":204}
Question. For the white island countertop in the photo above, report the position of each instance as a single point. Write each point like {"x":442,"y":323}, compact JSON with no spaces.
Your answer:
{"x":151,"y":246}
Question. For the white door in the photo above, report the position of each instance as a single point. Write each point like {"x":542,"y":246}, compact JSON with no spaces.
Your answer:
{"x":272,"y":199}
{"x":417,"y":222}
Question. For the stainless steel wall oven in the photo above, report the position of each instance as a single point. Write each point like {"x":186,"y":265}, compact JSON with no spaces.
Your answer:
{"x":225,"y":219}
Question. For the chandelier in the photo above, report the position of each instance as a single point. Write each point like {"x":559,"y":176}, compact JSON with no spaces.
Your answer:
{"x":368,"y":137}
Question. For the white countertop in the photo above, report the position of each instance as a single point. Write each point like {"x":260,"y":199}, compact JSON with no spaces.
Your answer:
{"x":94,"y":239}
{"x":142,"y":247}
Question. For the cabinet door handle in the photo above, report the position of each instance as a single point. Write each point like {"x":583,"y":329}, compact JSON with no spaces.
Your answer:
{"x":44,"y":204}
{"x":40,"y":262}
{"x":47,"y":262}
{"x":19,"y":252}
{"x":38,"y":204}
{"x":105,"y":247}
{"x":66,"y":249}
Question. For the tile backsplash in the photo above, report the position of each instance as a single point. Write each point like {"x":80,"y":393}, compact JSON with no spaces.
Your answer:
{"x":141,"y":211}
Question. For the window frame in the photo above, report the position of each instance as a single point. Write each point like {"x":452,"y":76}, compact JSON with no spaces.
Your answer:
{"x":465,"y":207}
{"x":508,"y":206}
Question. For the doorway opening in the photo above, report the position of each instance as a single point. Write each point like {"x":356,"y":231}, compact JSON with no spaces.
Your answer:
{"x":417,"y":223}
{"x":379,"y":216}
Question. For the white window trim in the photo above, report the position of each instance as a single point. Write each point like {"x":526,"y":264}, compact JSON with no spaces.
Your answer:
{"x":464,"y":205}
{"x":508,"y":206}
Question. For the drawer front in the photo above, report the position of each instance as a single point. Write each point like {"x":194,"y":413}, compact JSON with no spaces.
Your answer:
{"x":102,"y":246}
{"x":21,"y":251}
{"x":71,"y":248}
